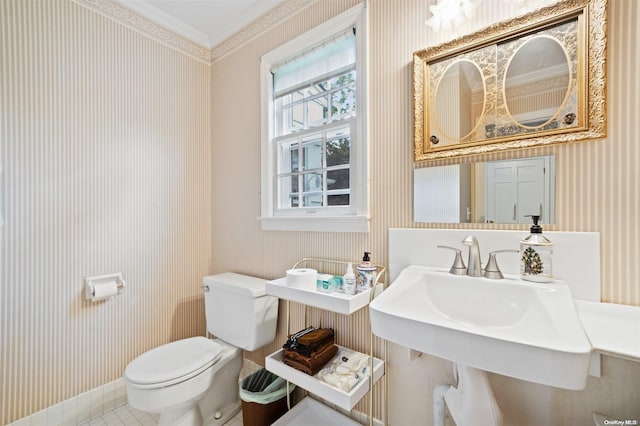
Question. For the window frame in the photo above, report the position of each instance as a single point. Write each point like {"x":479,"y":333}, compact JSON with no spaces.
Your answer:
{"x":355,"y":218}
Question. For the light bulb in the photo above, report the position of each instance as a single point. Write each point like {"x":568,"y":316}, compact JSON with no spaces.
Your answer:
{"x":451,"y":12}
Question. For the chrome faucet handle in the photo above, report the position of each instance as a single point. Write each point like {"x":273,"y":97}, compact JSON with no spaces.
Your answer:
{"x":458,"y":267}
{"x":492,"y":271}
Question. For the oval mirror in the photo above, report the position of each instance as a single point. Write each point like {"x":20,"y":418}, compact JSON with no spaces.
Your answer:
{"x":537,"y":83}
{"x":459,"y":100}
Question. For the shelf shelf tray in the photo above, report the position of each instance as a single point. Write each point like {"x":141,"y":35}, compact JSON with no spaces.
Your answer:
{"x":344,"y":400}
{"x":335,"y":302}
{"x":311,"y":412}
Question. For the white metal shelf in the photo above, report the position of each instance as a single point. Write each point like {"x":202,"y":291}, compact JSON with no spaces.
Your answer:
{"x":311,"y":412}
{"x":338,"y":303}
{"x":335,"y":302}
{"x":344,"y":400}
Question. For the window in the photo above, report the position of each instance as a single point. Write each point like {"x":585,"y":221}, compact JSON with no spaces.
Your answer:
{"x":321,"y":178}
{"x":314,"y":132}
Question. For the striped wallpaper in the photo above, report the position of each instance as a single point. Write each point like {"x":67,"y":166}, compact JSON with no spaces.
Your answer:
{"x":122,"y":154}
{"x":106,"y":166}
{"x":598,"y":183}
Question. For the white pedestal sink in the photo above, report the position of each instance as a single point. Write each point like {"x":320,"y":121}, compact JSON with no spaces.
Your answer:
{"x":520,"y":329}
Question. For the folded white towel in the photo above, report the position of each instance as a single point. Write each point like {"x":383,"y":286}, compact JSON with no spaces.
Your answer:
{"x":346,"y":370}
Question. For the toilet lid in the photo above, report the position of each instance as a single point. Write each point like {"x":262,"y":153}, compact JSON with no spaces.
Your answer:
{"x":174,"y":362}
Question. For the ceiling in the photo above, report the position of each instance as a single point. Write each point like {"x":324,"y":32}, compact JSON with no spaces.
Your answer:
{"x":206,"y":22}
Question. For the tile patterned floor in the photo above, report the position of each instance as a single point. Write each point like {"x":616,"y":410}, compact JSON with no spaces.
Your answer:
{"x":107,"y":405}
{"x":127,"y":415}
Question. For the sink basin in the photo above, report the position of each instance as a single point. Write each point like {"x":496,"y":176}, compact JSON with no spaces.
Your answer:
{"x":517,"y":328}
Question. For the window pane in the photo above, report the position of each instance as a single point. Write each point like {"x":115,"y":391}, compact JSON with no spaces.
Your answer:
{"x":312,"y":187}
{"x":298,"y":95}
{"x":295,"y":164}
{"x":338,"y":200}
{"x":314,"y":200}
{"x":312,"y":153}
{"x":338,"y":179}
{"x":338,"y":151}
{"x":289,"y":191}
{"x":317,"y":111}
{"x":343,"y":102}
{"x":312,"y":182}
{"x":317,"y":104}
{"x":293,"y":117}
{"x":289,"y":157}
{"x":315,"y":89}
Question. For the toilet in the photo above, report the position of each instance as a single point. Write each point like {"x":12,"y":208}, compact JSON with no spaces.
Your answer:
{"x":195,"y":378}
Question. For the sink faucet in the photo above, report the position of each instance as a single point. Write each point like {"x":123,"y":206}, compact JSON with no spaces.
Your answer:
{"x":474,"y":264}
{"x":491,"y":271}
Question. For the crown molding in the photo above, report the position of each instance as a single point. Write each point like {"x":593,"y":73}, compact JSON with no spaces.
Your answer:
{"x":146,"y":10}
{"x":258,"y":27}
{"x":133,"y":20}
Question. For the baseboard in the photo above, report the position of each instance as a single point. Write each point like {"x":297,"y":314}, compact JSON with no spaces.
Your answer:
{"x":80,"y":408}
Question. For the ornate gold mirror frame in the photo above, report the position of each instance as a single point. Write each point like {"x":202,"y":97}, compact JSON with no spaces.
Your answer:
{"x":590,"y":80}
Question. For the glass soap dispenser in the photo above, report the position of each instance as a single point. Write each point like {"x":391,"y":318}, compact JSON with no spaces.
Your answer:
{"x":536,"y":251}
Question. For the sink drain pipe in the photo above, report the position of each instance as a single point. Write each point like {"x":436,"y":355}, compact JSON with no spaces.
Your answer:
{"x":438,"y":404}
{"x":470,"y":402}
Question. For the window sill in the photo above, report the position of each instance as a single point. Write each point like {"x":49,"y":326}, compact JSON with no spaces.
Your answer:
{"x":316,"y":224}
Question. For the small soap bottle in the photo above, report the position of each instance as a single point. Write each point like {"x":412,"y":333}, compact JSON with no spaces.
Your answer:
{"x":349,"y":281}
{"x":535,"y":255}
{"x":366,"y":273}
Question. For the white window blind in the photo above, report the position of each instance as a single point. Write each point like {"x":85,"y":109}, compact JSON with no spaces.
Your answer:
{"x":330,"y":57}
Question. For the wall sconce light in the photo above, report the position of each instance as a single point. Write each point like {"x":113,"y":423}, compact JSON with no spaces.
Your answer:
{"x":451,"y":12}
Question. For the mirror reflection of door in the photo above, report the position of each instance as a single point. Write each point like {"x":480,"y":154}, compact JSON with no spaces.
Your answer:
{"x":517,"y":188}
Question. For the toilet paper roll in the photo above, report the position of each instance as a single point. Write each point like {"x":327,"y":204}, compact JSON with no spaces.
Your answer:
{"x":104,"y":291}
{"x":302,"y":277}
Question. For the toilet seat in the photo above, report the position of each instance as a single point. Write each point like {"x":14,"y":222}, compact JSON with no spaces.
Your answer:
{"x":172,"y":363}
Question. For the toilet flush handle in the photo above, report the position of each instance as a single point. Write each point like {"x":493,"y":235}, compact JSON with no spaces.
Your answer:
{"x":205,"y":288}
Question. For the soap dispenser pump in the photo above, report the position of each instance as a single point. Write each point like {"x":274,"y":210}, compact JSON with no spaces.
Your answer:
{"x":536,"y":251}
{"x":366,"y":273}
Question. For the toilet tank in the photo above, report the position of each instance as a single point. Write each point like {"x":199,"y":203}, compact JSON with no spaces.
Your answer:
{"x":238,"y":310}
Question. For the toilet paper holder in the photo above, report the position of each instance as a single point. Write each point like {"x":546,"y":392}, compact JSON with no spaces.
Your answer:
{"x":92,"y":282}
